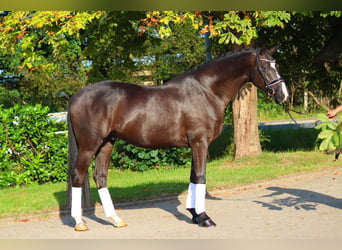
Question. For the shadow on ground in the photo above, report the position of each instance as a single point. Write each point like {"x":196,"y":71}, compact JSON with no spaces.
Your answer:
{"x":298,"y":199}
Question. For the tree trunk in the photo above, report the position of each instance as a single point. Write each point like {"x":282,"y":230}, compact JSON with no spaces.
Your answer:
{"x":245,"y":122}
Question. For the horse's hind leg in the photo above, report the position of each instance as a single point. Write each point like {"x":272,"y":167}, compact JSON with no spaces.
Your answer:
{"x":100,"y":177}
{"x":77,"y":177}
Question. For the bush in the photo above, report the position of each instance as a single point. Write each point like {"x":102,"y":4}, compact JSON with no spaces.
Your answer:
{"x":8,"y":97}
{"x":330,"y":135}
{"x":30,"y":151}
{"x":127,"y":156}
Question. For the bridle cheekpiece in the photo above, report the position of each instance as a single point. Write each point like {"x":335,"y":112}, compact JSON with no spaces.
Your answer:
{"x":268,"y":85}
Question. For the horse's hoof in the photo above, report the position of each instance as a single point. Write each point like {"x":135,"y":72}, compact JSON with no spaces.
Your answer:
{"x":205,"y":220}
{"x":81,"y":227}
{"x":120,"y":224}
{"x":207,"y":223}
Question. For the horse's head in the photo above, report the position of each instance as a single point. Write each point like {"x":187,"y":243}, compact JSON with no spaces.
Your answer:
{"x":266,"y":76}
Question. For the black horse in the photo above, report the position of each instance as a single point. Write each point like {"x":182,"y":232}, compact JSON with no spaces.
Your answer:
{"x":187,"y":111}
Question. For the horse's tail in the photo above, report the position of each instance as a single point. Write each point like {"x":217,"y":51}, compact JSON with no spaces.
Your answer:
{"x":73,"y":146}
{"x":73,"y":153}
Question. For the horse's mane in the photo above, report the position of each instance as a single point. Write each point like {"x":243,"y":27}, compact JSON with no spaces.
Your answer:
{"x":218,"y":59}
{"x":229,"y":54}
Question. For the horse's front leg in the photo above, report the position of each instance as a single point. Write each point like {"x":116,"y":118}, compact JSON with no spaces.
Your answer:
{"x":195,"y":202}
{"x":100,"y":177}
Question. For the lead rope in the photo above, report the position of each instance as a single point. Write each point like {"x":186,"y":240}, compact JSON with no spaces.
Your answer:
{"x":287,"y":110}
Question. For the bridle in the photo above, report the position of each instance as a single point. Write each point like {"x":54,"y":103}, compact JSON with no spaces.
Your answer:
{"x":268,"y":85}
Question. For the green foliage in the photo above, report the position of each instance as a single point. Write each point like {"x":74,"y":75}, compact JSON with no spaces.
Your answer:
{"x":182,"y":51}
{"x":127,"y":156}
{"x":30,"y":151}
{"x":268,"y":109}
{"x":222,"y":145}
{"x":9,"y":97}
{"x":232,"y":27}
{"x":331,"y":134}
{"x":44,"y":50}
{"x":40,"y":36}
{"x":112,"y":44}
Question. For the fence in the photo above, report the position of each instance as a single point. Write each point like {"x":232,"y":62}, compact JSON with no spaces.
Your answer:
{"x":59,"y":117}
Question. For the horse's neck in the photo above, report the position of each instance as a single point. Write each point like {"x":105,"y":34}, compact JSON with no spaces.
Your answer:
{"x":228,"y":77}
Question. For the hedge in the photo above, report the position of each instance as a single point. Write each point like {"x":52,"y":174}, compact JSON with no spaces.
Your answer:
{"x":30,"y":151}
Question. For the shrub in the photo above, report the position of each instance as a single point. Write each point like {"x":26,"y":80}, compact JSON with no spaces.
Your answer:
{"x":8,"y":97}
{"x":30,"y":151}
{"x":127,"y":156}
{"x":330,"y":136}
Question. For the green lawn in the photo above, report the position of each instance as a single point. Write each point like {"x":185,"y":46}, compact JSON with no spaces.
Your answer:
{"x":128,"y":186}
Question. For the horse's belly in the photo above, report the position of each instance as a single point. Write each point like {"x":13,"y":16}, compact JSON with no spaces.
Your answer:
{"x":153,"y":137}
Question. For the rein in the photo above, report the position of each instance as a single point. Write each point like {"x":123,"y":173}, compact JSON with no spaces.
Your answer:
{"x":287,"y":110}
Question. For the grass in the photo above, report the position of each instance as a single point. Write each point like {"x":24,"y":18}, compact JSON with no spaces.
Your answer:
{"x":276,"y":114}
{"x":128,"y":186}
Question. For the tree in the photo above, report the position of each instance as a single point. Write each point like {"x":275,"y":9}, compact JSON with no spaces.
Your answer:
{"x":112,"y":44}
{"x":46,"y":46}
{"x":58,"y":52}
{"x":182,"y":51}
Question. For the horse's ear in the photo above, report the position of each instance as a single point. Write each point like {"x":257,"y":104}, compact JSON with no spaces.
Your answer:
{"x":272,"y":50}
{"x":263,"y":50}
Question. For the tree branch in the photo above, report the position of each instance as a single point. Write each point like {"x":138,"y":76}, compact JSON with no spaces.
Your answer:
{"x":317,"y":101}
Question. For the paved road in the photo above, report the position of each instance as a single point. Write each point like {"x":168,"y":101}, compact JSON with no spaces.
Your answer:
{"x":299,"y":207}
{"x":300,"y":123}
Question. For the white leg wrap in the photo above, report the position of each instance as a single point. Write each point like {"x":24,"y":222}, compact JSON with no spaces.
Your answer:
{"x":200,"y":198}
{"x":196,"y":197}
{"x":107,"y":202}
{"x":116,"y":219}
{"x":76,"y":203}
{"x":190,"y":200}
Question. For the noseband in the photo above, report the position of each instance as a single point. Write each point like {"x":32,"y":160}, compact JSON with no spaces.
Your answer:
{"x":268,"y":85}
